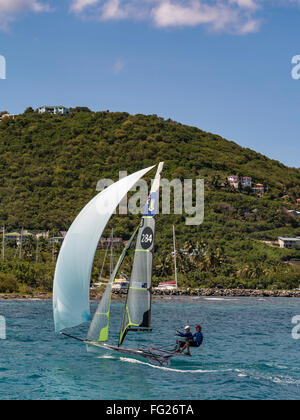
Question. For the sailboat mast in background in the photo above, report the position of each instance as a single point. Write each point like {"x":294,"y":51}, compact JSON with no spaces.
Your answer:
{"x":37,"y":250}
{"x":3,"y":244}
{"x":21,"y":243}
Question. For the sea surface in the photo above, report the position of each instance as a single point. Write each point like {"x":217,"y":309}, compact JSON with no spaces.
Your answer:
{"x":248,"y":353}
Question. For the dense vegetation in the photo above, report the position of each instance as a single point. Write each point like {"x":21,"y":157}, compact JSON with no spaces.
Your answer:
{"x":50,"y":166}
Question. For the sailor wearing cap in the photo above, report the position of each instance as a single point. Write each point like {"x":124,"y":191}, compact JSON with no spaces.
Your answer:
{"x":190,"y":340}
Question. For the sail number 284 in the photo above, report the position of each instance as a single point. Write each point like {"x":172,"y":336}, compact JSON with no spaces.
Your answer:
{"x":147,"y":238}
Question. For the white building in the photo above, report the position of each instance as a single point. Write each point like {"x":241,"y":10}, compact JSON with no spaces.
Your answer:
{"x":244,"y":181}
{"x":167,"y":285}
{"x":53,"y":110}
{"x":56,"y":240}
{"x":286,"y":242}
{"x":294,"y":212}
{"x":234,"y":181}
{"x":7,"y":116}
{"x":42,"y":235}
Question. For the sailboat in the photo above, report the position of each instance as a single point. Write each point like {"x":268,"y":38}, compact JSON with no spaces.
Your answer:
{"x":71,"y":304}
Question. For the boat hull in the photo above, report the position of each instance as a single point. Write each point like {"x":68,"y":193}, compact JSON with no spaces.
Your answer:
{"x":137,"y":354}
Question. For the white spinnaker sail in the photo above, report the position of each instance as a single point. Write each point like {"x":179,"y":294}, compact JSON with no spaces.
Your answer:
{"x":71,"y":303}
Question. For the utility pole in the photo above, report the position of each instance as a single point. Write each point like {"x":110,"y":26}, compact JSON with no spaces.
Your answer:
{"x":53,"y":246}
{"x":21,"y":243}
{"x":37,"y":250}
{"x":3,"y":244}
{"x":175,"y":257}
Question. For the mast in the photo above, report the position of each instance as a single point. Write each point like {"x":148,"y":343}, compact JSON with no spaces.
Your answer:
{"x":111,"y":252}
{"x":175,"y":257}
{"x":137,"y":311}
{"x":104,"y":260}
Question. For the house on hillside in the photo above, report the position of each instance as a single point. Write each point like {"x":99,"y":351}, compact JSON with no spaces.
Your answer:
{"x":16,"y":236}
{"x":243,"y":181}
{"x":13,"y":236}
{"x":62,"y":110}
{"x":298,"y":201}
{"x":234,"y":181}
{"x":246,"y":181}
{"x":43,"y":235}
{"x":7,"y":116}
{"x":56,"y":240}
{"x":259,"y":189}
{"x":294,"y":212}
{"x":288,"y":242}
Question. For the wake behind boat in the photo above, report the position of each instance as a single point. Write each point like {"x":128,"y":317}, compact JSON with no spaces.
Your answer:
{"x":73,"y":271}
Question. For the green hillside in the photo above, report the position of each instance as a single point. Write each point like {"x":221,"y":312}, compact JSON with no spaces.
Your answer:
{"x":50,"y":165}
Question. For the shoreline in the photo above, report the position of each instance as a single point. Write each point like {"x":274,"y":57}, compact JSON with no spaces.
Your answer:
{"x":169,"y":293}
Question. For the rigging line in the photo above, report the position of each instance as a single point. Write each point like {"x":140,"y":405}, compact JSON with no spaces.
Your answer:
{"x":166,"y":349}
{"x":104,"y":260}
{"x":112,"y":251}
{"x":124,"y":313}
{"x":74,"y":338}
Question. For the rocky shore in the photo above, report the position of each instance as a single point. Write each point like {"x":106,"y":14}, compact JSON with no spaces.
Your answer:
{"x":163,"y":293}
{"x":228,"y":293}
{"x":18,"y":296}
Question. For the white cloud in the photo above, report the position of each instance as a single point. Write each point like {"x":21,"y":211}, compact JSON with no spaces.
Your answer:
{"x":222,"y":15}
{"x":15,"y":6}
{"x":245,"y":4}
{"x":10,"y":9}
{"x":112,"y":10}
{"x":234,"y":16}
{"x":195,"y":13}
{"x":79,"y":5}
{"x":249,"y":26}
{"x":219,"y":17}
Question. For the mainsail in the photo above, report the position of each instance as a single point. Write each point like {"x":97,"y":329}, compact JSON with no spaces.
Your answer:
{"x":71,"y":304}
{"x":137,"y":312}
{"x":99,"y":328}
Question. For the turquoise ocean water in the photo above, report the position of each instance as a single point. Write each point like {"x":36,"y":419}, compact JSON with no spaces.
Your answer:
{"x":248,"y":353}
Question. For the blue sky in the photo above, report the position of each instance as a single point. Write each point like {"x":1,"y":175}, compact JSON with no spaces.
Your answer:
{"x":221,"y":65}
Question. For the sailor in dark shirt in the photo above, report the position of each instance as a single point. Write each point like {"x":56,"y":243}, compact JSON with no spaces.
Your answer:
{"x":197,"y":337}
